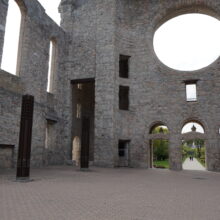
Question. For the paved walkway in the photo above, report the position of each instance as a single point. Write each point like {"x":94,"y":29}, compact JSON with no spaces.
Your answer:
{"x":192,"y":165}
{"x":64,"y":193}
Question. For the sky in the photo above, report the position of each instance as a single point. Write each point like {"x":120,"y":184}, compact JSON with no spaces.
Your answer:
{"x":188,"y":42}
{"x":51,"y":7}
{"x":188,"y":126}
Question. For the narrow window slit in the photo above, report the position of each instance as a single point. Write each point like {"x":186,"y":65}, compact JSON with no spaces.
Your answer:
{"x":78,"y":110}
{"x":51,"y":68}
{"x":124,"y":97}
{"x":124,"y":66}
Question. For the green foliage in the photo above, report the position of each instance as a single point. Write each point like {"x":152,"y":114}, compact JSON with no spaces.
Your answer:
{"x":160,"y":150}
{"x":188,"y":151}
{"x":201,"y":155}
{"x":198,"y":152}
{"x":160,"y":129}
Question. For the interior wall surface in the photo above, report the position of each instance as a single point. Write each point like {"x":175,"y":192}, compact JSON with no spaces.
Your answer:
{"x":92,"y":35}
{"x":36,"y":32}
{"x":91,"y":27}
{"x":100,"y":31}
{"x":157,"y":93}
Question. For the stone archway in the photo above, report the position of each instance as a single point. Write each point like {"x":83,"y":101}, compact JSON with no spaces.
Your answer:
{"x":193,"y":145}
{"x":158,"y":146}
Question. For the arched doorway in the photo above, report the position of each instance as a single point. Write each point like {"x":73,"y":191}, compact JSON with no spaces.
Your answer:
{"x":159,"y":146}
{"x":193,"y":146}
{"x":76,"y":150}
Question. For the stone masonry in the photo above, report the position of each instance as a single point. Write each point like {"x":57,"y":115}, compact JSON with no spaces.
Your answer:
{"x":92,"y":36}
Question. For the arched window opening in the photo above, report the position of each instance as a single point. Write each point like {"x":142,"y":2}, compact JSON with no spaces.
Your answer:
{"x":159,"y":129}
{"x":10,"y":56}
{"x":51,"y":66}
{"x":76,"y":150}
{"x":192,"y":127}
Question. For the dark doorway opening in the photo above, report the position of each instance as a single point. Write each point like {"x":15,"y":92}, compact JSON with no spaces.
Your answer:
{"x":123,"y":153}
{"x":83,"y":109}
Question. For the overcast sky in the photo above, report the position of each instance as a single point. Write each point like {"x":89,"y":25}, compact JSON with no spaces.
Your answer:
{"x":188,"y":42}
{"x":51,"y":7}
{"x":188,"y":128}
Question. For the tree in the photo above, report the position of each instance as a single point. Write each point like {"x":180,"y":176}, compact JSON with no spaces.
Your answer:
{"x":160,"y":149}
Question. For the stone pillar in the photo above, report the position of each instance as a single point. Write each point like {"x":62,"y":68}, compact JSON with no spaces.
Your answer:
{"x":212,"y":154}
{"x":175,"y":152}
{"x":3,"y":14}
{"x":105,"y":144}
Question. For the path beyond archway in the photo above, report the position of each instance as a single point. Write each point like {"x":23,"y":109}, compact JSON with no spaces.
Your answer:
{"x":192,"y":165}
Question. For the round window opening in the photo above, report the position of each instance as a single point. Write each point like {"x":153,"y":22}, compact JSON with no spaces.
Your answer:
{"x":188,"y":42}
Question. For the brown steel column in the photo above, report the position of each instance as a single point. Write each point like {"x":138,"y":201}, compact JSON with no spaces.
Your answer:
{"x":24,"y":148}
{"x":84,"y":163}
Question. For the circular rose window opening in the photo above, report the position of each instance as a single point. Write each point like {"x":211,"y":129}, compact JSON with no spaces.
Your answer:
{"x":188,"y":42}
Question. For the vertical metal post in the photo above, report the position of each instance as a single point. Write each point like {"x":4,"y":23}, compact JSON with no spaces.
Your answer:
{"x":24,"y":148}
{"x":84,"y":163}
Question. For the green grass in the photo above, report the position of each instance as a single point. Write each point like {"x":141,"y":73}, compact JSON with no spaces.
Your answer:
{"x":161,"y":164}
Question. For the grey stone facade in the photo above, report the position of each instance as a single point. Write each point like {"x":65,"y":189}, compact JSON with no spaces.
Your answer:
{"x":92,"y":35}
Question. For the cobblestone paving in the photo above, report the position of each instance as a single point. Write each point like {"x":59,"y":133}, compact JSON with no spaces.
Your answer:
{"x":63,"y":193}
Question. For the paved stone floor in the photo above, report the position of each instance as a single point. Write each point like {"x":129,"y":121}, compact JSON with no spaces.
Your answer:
{"x":192,"y":165}
{"x":63,"y":193}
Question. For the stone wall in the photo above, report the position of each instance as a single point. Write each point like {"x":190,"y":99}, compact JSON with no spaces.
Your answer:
{"x":92,"y":35}
{"x":102,"y":30}
{"x":7,"y":156}
{"x":91,"y":27}
{"x":11,"y":90}
{"x":37,"y":30}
